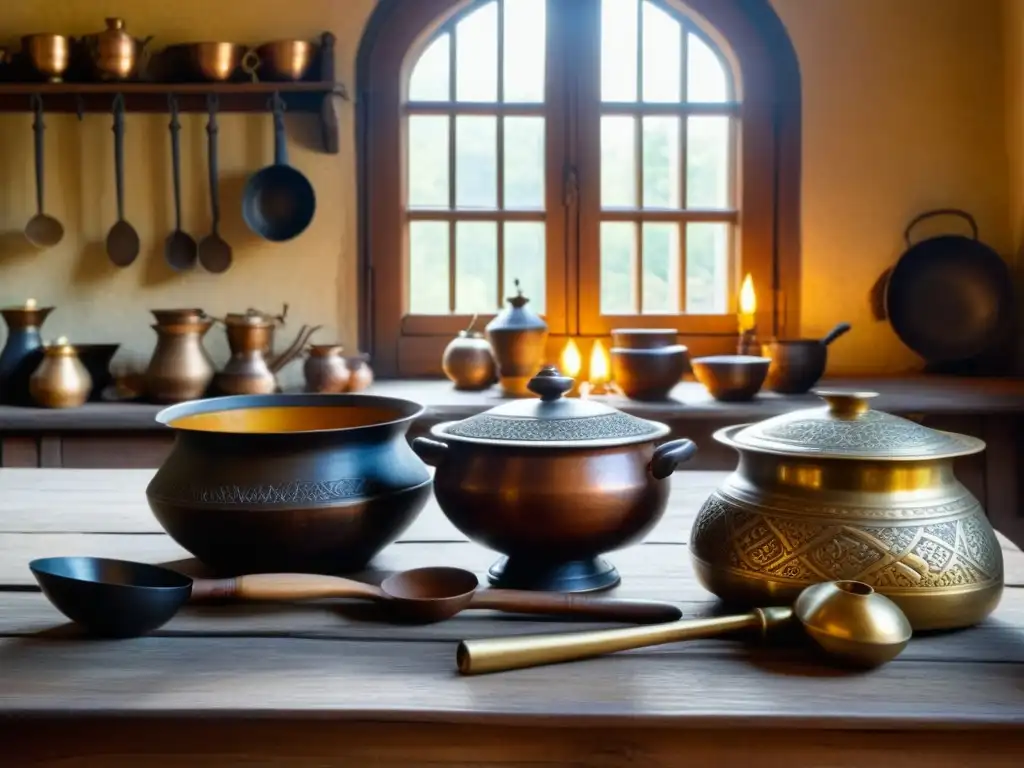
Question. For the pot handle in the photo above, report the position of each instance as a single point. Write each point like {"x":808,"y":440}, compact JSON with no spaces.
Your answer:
{"x":431,"y":451}
{"x":940,"y":212}
{"x":835,"y":333}
{"x":670,"y":455}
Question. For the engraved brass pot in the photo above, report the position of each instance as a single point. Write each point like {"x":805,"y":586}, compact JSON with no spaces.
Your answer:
{"x":846,"y":492}
{"x":310,"y":482}
{"x":552,"y":484}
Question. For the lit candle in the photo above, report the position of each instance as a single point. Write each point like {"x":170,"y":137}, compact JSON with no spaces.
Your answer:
{"x":571,"y":362}
{"x":600,"y":369}
{"x":748,"y":305}
{"x":30,"y":304}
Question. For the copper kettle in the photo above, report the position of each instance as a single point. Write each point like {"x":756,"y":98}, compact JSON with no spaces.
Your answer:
{"x":115,"y":54}
{"x":253,"y":366}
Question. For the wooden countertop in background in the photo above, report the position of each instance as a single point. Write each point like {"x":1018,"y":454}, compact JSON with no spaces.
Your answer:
{"x":924,"y":394}
{"x":272,"y":674}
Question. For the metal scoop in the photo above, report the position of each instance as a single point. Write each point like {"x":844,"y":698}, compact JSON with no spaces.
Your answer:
{"x":214,"y":251}
{"x":117,"y":598}
{"x":848,"y":620}
{"x":122,"y":239}
{"x":179,"y":247}
{"x":42,"y":231}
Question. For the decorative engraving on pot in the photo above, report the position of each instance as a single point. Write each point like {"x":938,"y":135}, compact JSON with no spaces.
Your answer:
{"x":293,"y":492}
{"x":947,"y":508}
{"x":872,"y":432}
{"x":943,"y":554}
{"x":609,"y":426}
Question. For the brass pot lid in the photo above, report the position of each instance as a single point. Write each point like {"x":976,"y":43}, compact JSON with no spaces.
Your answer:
{"x":553,"y":421}
{"x":847,"y":428}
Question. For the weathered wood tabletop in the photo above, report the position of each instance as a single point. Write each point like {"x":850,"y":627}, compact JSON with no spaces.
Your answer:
{"x":320,"y":684}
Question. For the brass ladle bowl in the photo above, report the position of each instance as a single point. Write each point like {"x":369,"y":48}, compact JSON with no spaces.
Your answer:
{"x":849,"y":621}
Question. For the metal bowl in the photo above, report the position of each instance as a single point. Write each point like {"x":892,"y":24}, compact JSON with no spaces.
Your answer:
{"x":648,"y":374}
{"x":215,"y":62}
{"x":731,"y":378}
{"x":285,"y":59}
{"x":311,"y":482}
{"x":48,"y":54}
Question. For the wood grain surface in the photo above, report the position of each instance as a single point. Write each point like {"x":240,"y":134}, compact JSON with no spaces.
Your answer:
{"x":260,"y":667}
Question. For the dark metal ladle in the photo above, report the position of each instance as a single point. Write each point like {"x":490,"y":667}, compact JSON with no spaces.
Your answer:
{"x":214,"y":251}
{"x":122,"y":239}
{"x":118,"y":598}
{"x":42,"y":231}
{"x":180,"y":247}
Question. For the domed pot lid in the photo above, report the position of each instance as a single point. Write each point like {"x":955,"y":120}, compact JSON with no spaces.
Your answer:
{"x":553,"y":421}
{"x":847,"y":428}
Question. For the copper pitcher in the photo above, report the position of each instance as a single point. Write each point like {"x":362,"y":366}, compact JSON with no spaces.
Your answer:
{"x":180,"y":368}
{"x":115,"y":54}
{"x":253,"y":365}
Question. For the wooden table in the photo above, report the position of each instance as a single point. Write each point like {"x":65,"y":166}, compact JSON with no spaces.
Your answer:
{"x":316,"y":684}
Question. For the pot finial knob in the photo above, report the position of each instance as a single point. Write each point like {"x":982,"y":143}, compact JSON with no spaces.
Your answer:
{"x":846,"y":404}
{"x":549,"y":383}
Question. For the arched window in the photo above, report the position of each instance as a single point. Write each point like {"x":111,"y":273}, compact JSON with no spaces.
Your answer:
{"x":627,"y":161}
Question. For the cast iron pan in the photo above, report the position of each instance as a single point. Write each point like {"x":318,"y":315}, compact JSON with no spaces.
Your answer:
{"x":278,"y":201}
{"x":949,"y":297}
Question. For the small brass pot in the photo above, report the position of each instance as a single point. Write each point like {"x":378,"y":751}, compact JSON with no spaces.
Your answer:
{"x":844,"y":492}
{"x":553,"y":484}
{"x":61,"y":380}
{"x":468,"y":361}
{"x":215,"y":62}
{"x":285,"y":59}
{"x":49,"y":55}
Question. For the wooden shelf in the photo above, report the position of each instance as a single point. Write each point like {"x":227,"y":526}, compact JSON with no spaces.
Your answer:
{"x":312,"y":97}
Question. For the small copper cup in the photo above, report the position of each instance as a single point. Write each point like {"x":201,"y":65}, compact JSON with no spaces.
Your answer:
{"x":48,"y":54}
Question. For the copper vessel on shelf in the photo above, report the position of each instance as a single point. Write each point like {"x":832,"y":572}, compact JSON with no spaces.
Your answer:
{"x":296,"y":482}
{"x":180,"y":367}
{"x":731,"y":378}
{"x":49,"y":55}
{"x":285,"y":59}
{"x":114,"y":53}
{"x":253,"y":366}
{"x":846,"y":492}
{"x":553,"y":484}
{"x":216,"y":62}
{"x":360,"y":372}
{"x":468,"y":361}
{"x":517,"y":336}
{"x":798,"y":364}
{"x":325,"y":369}
{"x":61,"y":380}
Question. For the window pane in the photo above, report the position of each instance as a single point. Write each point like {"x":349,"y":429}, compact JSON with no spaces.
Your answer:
{"x":707,"y":268}
{"x":618,"y":268}
{"x":707,"y":162}
{"x":662,"y":65}
{"x":525,"y":260}
{"x":429,"y":81}
{"x":524,"y":162}
{"x":661,"y":162}
{"x":705,"y":74}
{"x":618,"y":162}
{"x":476,"y":161}
{"x":476,"y":55}
{"x":428,"y":161}
{"x":618,"y":50}
{"x":661,"y":269}
{"x":476,"y":266}
{"x":428,"y":267}
{"x":525,"y":43}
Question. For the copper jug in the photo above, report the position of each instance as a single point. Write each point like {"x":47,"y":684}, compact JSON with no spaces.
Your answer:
{"x":61,"y":380}
{"x":325,"y":369}
{"x":253,"y":365}
{"x":115,"y":54}
{"x":180,"y":368}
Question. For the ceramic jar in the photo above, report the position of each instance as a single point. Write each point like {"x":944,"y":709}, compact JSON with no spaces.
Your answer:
{"x":517,"y":336}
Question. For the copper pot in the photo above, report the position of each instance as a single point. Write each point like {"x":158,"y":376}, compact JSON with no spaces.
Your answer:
{"x":285,"y":59}
{"x":180,"y":367}
{"x":60,"y":381}
{"x":49,"y":55}
{"x":468,"y":361}
{"x":310,"y":483}
{"x":217,"y":62}
{"x":843,"y":492}
{"x":552,"y":484}
{"x":325,"y":369}
{"x":115,"y":54}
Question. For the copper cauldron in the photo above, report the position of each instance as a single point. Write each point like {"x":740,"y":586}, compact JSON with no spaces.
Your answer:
{"x":552,"y":484}
{"x":311,"y":482}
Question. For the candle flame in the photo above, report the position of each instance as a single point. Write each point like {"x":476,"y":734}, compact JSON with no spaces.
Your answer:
{"x":600,"y":364}
{"x":571,"y":360}
{"x":30,"y":304}
{"x":748,"y":299}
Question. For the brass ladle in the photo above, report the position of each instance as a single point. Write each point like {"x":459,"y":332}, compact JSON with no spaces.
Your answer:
{"x":119,"y":598}
{"x":848,"y":620}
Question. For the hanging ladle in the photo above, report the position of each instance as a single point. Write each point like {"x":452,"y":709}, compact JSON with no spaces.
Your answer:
{"x":118,"y":598}
{"x":180,"y":247}
{"x":214,"y":251}
{"x":122,"y":239}
{"x":42,"y":231}
{"x":848,"y":620}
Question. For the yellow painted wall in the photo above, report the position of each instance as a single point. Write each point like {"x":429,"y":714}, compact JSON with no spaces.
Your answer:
{"x":1013,"y":47}
{"x":903,"y":110}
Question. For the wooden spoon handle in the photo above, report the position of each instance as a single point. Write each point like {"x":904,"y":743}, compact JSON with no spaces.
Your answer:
{"x":284,"y":586}
{"x":633,"y":611}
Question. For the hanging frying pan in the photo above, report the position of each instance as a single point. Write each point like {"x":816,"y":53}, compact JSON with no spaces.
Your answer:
{"x":278,"y":201}
{"x":949,"y":298}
